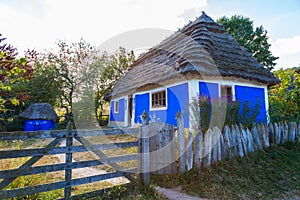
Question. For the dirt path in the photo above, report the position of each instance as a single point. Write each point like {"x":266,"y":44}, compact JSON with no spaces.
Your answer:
{"x":176,"y":194}
{"x":89,"y":171}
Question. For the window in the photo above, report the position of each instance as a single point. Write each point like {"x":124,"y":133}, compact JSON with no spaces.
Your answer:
{"x":116,"y":106}
{"x":158,"y":99}
{"x":226,"y":91}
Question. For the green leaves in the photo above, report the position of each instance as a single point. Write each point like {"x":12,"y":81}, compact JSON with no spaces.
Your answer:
{"x":15,"y":101}
{"x":14,"y":72}
{"x":254,"y":40}
{"x":284,"y":99}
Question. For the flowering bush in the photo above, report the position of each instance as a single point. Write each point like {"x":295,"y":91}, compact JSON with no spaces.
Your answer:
{"x":211,"y":112}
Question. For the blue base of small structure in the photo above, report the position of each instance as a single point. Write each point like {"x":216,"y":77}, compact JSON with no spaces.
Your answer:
{"x":38,"y":125}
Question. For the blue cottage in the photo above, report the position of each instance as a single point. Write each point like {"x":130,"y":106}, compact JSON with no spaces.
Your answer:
{"x":199,"y":59}
{"x":39,"y":116}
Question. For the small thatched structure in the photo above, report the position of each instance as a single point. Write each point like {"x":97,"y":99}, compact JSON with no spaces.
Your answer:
{"x":219,"y":54}
{"x":39,"y":111}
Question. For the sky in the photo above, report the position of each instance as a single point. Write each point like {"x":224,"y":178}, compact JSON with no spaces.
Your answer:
{"x":39,"y":24}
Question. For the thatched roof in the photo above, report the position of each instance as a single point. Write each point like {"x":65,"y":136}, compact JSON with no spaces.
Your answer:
{"x":40,"y":111}
{"x":201,"y":47}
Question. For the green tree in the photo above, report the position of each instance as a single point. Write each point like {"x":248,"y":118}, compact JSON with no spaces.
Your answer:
{"x":114,"y":67}
{"x":45,"y":86}
{"x":14,"y":72}
{"x":255,"y":40}
{"x":66,"y":66}
{"x":284,"y":98}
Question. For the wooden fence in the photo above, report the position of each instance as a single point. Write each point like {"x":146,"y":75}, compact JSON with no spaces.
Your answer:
{"x":9,"y":175}
{"x":158,"y":150}
{"x":203,"y":149}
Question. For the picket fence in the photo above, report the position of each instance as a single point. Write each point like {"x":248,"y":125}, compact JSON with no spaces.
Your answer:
{"x":203,"y":149}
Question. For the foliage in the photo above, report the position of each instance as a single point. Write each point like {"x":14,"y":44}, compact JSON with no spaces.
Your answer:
{"x":65,"y":68}
{"x":254,"y":40}
{"x":101,"y":76}
{"x":14,"y":73}
{"x":208,"y":113}
{"x":284,"y":99}
{"x":114,"y":67}
{"x":45,"y":85}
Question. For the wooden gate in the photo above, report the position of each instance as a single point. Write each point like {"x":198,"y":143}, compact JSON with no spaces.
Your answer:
{"x":35,"y":154}
{"x":155,"y":153}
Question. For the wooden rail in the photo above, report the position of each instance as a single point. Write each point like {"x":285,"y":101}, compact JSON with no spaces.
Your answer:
{"x":52,"y":148}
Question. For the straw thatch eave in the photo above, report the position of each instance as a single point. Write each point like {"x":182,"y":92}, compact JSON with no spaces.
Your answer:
{"x":202,"y":46}
{"x":39,"y":111}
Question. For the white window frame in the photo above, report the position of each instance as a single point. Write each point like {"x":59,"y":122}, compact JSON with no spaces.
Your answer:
{"x":162,"y":107}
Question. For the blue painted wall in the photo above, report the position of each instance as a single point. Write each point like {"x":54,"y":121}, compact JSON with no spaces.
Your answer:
{"x":120,"y":116}
{"x":253,"y":96}
{"x":141,"y":102}
{"x":211,"y":90}
{"x":177,"y":100}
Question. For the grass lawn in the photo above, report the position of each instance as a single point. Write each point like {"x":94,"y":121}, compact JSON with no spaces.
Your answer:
{"x":270,"y":174}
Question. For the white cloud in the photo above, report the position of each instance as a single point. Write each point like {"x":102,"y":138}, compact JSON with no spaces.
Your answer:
{"x":288,"y":50}
{"x":40,"y":23}
{"x":284,"y":46}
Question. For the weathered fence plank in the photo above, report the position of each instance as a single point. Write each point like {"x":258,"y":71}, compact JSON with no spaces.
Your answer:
{"x":223,"y":152}
{"x":244,"y":139}
{"x":219,"y":138}
{"x":207,"y":148}
{"x":233,"y":143}
{"x":68,"y":171}
{"x":144,"y":133}
{"x":216,"y":145}
{"x":189,"y":152}
{"x":239,"y":141}
{"x":277,"y":131}
{"x":62,"y":150}
{"x":256,"y":138}
{"x":173,"y":150}
{"x":250,"y":142}
{"x":286,"y":132}
{"x":272,"y":136}
{"x":181,"y":142}
{"x":158,"y":166}
{"x":22,"y":135}
{"x":57,"y":185}
{"x":227,"y":141}
{"x":198,"y":148}
{"x":292,"y":132}
{"x":59,"y":167}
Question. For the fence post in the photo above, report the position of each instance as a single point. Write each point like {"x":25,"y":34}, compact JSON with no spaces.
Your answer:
{"x":145,"y":118}
{"x":68,"y":171}
{"x":181,"y":150}
{"x":143,"y":150}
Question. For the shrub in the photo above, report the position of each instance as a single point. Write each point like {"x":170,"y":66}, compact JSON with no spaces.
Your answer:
{"x":211,"y":112}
